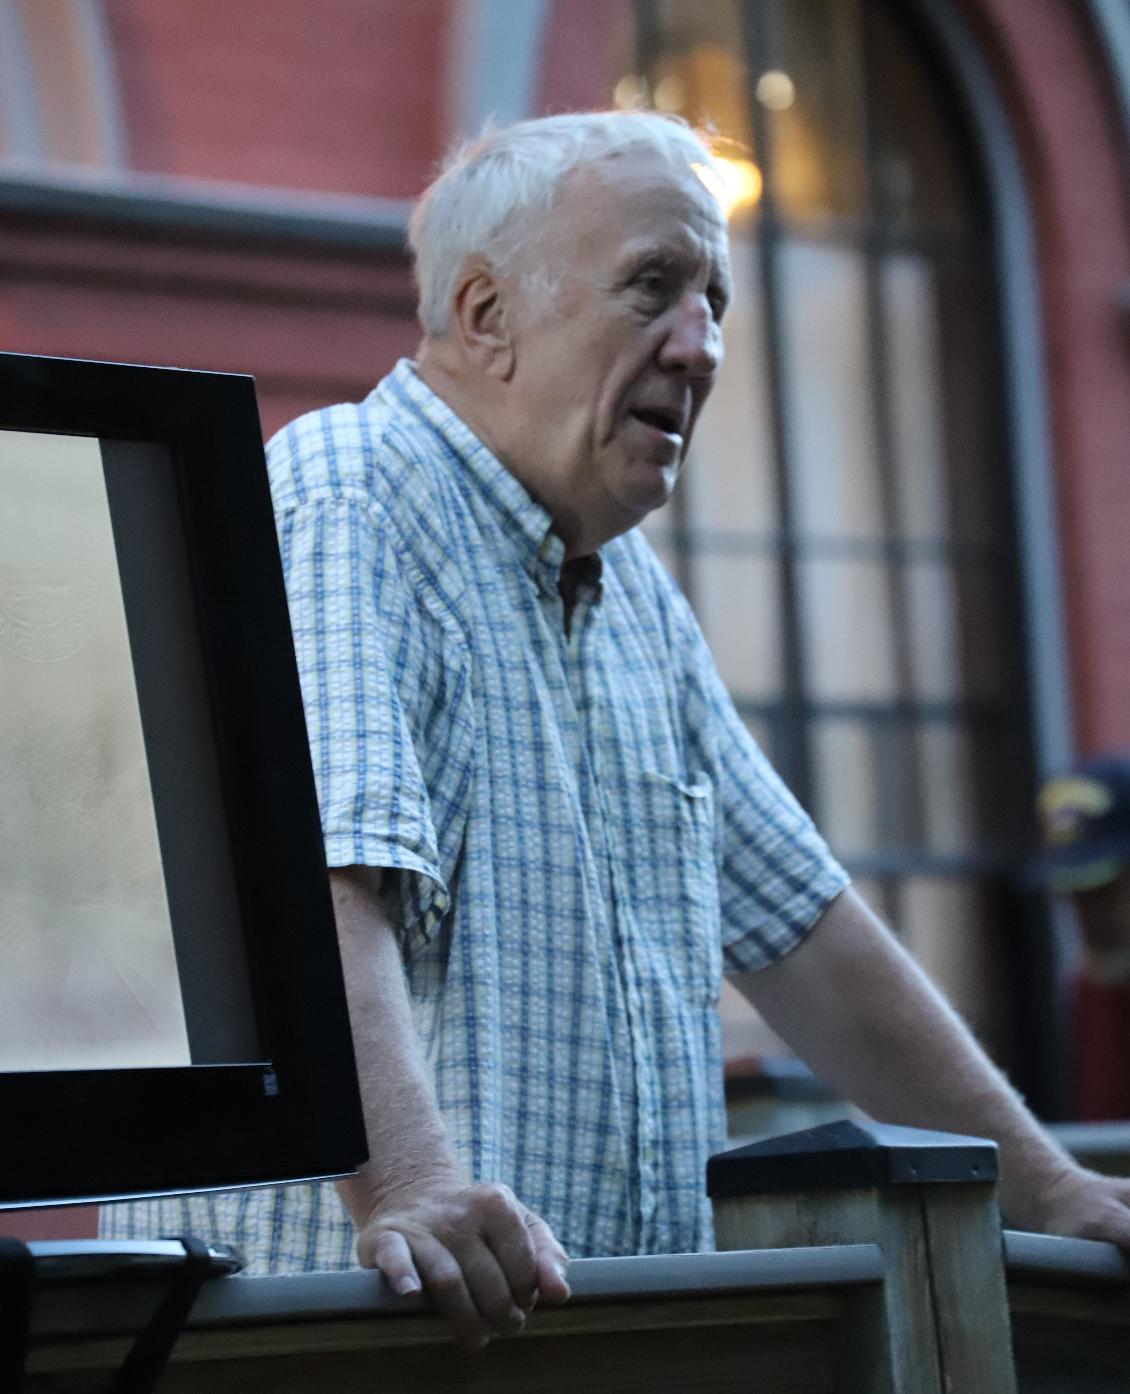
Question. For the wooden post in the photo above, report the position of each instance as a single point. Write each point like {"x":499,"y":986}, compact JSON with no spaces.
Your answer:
{"x":941,"y":1322}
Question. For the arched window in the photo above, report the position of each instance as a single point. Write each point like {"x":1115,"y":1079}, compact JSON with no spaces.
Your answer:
{"x":57,"y":96}
{"x":845,"y":528}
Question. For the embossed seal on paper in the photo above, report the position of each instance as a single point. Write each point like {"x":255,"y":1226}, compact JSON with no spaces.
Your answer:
{"x":45,"y":611}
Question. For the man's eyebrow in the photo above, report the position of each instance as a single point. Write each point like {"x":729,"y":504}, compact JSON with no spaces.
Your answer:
{"x":678,"y":260}
{"x":653,"y":255}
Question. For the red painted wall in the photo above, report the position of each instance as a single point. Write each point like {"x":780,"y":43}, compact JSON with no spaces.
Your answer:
{"x":343,"y":95}
{"x":1062,"y":107}
{"x":585,"y":43}
{"x":314,"y":325}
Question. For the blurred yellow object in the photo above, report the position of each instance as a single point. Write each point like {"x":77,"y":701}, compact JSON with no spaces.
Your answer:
{"x":736,"y":184}
{"x":1066,"y":805}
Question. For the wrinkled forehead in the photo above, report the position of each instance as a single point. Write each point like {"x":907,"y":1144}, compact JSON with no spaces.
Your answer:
{"x":687,"y":172}
{"x":635,"y":193}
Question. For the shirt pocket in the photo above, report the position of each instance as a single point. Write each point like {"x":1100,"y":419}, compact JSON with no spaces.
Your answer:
{"x":673,"y":874}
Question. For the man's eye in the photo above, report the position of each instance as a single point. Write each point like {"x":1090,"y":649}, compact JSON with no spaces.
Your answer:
{"x":652,"y":283}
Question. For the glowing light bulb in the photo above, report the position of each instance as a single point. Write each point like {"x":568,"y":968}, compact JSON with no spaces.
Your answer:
{"x":630,"y":91}
{"x":670,"y":93}
{"x":736,"y":184}
{"x":775,"y":90}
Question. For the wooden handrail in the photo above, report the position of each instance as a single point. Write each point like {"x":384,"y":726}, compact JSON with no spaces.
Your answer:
{"x":1048,"y":1258}
{"x":106,"y":1307}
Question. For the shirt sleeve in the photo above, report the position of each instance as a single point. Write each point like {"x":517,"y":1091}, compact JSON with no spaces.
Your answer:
{"x":361,"y":661}
{"x":776,"y":873}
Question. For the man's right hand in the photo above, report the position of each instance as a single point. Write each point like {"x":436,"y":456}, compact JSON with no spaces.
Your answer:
{"x":481,"y":1256}
{"x":477,"y":1251}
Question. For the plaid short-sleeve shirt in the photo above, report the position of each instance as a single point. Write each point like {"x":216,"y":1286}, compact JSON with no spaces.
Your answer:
{"x":584,"y":833}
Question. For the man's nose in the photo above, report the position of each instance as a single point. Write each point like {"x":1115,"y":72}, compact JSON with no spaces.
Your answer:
{"x":694,"y":342}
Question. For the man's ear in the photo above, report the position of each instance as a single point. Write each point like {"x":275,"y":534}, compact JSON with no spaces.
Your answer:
{"x":479,"y":317}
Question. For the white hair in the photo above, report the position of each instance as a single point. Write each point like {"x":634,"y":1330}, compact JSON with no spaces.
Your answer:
{"x":492,"y":188}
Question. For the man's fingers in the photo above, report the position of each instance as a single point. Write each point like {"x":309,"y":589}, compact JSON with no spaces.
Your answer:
{"x":479,"y":1254}
{"x":445,"y":1284}
{"x":552,"y":1261}
{"x":1094,"y":1207}
{"x":489,"y":1288}
{"x":1111,"y":1220}
{"x":505,"y":1233}
{"x":390,"y":1253}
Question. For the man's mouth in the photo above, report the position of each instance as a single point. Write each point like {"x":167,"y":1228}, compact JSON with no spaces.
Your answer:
{"x":662,"y":419}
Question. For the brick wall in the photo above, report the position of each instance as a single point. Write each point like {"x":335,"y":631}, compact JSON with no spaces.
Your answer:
{"x":342,"y":95}
{"x":313,"y":325}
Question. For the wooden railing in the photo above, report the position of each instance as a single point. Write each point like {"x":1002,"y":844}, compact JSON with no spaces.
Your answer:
{"x":883,"y":1273}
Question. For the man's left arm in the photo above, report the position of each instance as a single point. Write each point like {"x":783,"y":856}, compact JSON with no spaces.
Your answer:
{"x":857,"y":1008}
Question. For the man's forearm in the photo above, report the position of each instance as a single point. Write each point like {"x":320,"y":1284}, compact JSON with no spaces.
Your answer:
{"x":860,"y":1011}
{"x":407,"y":1138}
{"x":481,"y":1254}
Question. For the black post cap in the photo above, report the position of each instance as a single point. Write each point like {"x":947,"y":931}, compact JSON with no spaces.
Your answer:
{"x":847,"y":1155}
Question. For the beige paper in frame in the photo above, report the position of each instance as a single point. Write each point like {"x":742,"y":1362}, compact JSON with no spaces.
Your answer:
{"x":88,"y":974}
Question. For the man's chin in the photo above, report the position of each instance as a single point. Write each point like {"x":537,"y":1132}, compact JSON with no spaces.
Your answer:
{"x":641,"y":502}
{"x":653,"y":485}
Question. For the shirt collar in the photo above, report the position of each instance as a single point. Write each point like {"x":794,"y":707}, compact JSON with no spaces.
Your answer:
{"x":524,"y":522}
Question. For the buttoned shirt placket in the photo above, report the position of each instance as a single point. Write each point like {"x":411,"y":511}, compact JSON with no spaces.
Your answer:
{"x":576,"y":633}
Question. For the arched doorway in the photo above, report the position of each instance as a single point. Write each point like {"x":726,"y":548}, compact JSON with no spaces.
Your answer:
{"x":847,"y":529}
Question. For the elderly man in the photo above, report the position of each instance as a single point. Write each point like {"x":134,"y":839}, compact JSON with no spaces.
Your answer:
{"x":550,"y":832}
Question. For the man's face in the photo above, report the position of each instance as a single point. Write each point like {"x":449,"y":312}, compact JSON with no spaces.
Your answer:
{"x":611,"y":373}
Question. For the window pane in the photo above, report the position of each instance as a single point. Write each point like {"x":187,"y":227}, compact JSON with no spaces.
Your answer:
{"x":875,"y":891}
{"x":761,"y":729}
{"x":828,"y":390}
{"x":990,"y":648}
{"x":932,"y":604}
{"x":960,"y":648}
{"x":916,"y":174}
{"x":945,"y":927}
{"x":744,"y":1034}
{"x":817,"y":139}
{"x":64,"y":72}
{"x":914,"y":383}
{"x":949,"y":808}
{"x":846,"y":625}
{"x":847,"y":794}
{"x":657,"y":527}
{"x":738,"y":604}
{"x":976,"y":450}
{"x":713,"y":81}
{"x":729,"y":483}
{"x":1004,"y":794}
{"x":663,"y":548}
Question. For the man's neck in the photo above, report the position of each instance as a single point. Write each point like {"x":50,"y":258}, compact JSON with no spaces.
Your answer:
{"x":471,"y":399}
{"x":452,"y":388}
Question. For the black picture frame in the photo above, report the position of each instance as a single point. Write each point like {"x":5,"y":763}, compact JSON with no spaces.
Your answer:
{"x":293,"y":1112}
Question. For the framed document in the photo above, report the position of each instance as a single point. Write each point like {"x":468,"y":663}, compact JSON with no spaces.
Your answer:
{"x":172,"y":1014}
